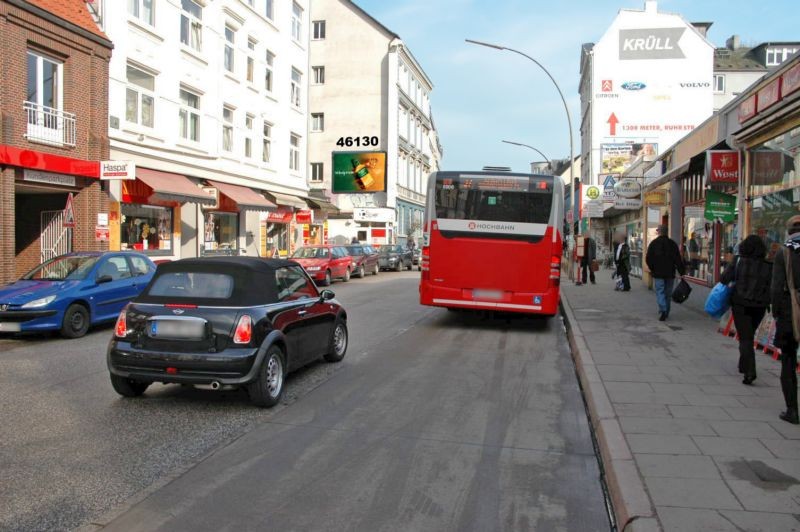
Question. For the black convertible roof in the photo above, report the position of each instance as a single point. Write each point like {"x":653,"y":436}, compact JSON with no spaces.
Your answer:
{"x":250,"y":263}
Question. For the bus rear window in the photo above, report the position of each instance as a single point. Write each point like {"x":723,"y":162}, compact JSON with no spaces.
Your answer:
{"x":457,"y":203}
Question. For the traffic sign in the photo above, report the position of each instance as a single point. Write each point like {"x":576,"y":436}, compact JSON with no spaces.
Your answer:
{"x":69,"y":213}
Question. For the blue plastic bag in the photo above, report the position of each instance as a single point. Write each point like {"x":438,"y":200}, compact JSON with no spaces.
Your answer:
{"x":719,"y":300}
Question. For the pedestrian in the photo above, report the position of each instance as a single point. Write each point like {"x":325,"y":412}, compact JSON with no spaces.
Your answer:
{"x":663,"y":259}
{"x":622,"y":260}
{"x":589,"y":255}
{"x":751,"y":274}
{"x":694,"y":255}
{"x":786,"y":311}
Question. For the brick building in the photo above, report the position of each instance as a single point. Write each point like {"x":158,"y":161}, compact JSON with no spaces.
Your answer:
{"x":53,"y":129}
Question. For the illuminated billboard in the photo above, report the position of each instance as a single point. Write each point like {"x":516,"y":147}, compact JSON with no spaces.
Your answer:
{"x":359,"y":172}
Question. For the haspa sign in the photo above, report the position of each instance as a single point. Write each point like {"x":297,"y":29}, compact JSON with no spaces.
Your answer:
{"x":117,"y":170}
{"x":722,"y":166}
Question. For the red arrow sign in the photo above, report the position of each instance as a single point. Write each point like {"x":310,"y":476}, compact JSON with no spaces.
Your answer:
{"x":612,"y":124}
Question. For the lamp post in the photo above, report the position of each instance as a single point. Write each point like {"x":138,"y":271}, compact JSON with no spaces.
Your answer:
{"x":531,"y":147}
{"x":569,"y":120}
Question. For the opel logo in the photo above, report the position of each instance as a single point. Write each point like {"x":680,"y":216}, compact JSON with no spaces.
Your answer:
{"x":177,"y":311}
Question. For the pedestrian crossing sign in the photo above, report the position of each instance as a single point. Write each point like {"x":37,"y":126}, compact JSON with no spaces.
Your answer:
{"x":69,"y":213}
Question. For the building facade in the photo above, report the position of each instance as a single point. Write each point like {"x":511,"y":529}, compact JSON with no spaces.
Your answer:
{"x":53,"y":133}
{"x":366,"y":85}
{"x":209,"y":101}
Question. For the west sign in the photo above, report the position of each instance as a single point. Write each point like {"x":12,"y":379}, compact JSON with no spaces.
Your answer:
{"x":722,"y":166}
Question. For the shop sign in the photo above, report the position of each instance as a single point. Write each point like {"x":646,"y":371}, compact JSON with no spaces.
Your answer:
{"x":283,"y":215}
{"x":747,"y":109}
{"x":592,"y":193}
{"x":373,"y":215}
{"x":48,"y":178}
{"x":304,"y":216}
{"x":358,"y":172}
{"x":791,"y":80}
{"x":627,"y":204}
{"x":722,"y":166}
{"x":719,"y":206}
{"x":117,"y":170}
{"x":69,"y":213}
{"x":767,"y":167}
{"x":101,"y":234}
{"x":608,"y":180}
{"x":593,"y":209}
{"x":769,"y":95}
{"x":655,"y":197}
{"x":102,"y":219}
{"x":628,"y":188}
{"x":651,"y":43}
{"x":214,"y":193}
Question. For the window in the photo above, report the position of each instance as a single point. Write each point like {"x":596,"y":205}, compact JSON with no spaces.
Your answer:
{"x":317,"y":122}
{"x":230,"y":36}
{"x":318,"y":29}
{"x":251,"y":62}
{"x":319,"y":74}
{"x":297,"y":22}
{"x":114,"y":267}
{"x":248,"y":140}
{"x":189,"y":116}
{"x":297,"y":79}
{"x":139,"y":97}
{"x":251,"y":3}
{"x":191,"y":24}
{"x":44,"y":81}
{"x":140,"y":265}
{"x":293,"y":284}
{"x":267,"y":142}
{"x":196,"y":285}
{"x":294,"y":152}
{"x":146,"y":227}
{"x":269,"y":11}
{"x":220,"y":231}
{"x":143,"y":10}
{"x":719,"y":82}
{"x":268,"y":74}
{"x":227,"y":128}
{"x":316,"y":172}
{"x":776,"y":56}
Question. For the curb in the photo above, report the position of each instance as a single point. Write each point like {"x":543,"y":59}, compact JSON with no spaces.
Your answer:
{"x":630,"y":502}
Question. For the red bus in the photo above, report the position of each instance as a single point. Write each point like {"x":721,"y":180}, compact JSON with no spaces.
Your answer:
{"x":492,"y":241}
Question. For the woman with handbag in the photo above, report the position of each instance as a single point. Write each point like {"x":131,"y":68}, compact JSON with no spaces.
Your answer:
{"x":786,"y":310}
{"x":751,"y":274}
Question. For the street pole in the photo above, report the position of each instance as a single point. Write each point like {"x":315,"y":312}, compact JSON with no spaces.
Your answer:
{"x":531,"y":147}
{"x":569,"y":125}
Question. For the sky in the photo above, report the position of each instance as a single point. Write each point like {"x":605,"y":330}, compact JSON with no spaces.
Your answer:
{"x":482,"y":96}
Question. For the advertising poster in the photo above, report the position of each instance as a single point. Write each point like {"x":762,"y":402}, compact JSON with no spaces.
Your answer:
{"x":616,"y":158}
{"x":359,"y":172}
{"x":720,"y":206}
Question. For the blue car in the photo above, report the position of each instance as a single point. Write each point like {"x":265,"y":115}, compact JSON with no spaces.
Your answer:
{"x":71,"y":292}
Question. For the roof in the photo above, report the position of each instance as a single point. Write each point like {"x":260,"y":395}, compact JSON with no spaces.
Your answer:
{"x":247,"y":263}
{"x":73,"y":11}
{"x":739,"y":59}
{"x":373,"y":19}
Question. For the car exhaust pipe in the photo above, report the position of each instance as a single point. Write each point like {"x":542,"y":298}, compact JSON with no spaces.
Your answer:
{"x":215,"y":385}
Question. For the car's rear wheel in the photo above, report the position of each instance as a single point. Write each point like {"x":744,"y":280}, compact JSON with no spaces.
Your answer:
{"x":338,"y":342}
{"x":346,"y":275}
{"x":76,"y":321}
{"x":399,"y":266}
{"x":128,"y":387}
{"x":362,"y":272}
{"x":267,"y":389}
{"x":376,"y":270}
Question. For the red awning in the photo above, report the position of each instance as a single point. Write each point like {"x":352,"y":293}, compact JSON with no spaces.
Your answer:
{"x":172,"y":187}
{"x":245,"y":198}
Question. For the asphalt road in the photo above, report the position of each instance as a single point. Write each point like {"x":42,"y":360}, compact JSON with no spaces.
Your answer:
{"x":434,"y":421}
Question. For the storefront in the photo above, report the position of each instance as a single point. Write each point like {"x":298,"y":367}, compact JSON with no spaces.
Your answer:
{"x":409,"y":222}
{"x":375,"y":225}
{"x":225,"y":221}
{"x":276,"y":232}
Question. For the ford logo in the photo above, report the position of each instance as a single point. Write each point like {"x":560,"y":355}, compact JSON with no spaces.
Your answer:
{"x":633,"y":85}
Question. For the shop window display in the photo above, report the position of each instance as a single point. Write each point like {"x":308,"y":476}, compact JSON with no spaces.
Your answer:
{"x":146,"y":228}
{"x":220,"y":232}
{"x":277,"y":240}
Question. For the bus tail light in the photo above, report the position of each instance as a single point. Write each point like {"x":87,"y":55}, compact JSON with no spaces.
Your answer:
{"x":555,"y":269}
{"x":425,"y":263}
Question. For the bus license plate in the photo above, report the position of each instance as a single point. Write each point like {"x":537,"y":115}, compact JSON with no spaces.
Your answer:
{"x":178,"y":329}
{"x":487,"y":294}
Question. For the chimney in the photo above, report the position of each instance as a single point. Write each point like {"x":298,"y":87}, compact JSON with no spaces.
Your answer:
{"x":733,"y":42}
{"x":651,"y":6}
{"x":702,"y":27}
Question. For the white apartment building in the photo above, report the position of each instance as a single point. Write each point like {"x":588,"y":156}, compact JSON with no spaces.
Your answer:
{"x":209,"y":99}
{"x":365,"y":83}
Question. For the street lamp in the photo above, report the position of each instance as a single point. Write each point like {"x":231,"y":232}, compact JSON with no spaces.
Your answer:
{"x":569,"y":120}
{"x":531,"y":147}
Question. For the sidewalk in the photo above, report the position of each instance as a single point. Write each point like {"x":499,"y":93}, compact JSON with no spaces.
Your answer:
{"x":685,"y":445}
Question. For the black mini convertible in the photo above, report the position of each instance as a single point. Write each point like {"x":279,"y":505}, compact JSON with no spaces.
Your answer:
{"x":225,"y":321}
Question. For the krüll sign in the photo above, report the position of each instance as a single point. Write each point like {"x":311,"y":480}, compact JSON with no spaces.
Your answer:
{"x":628,"y":188}
{"x":722,"y":166}
{"x":719,"y":206}
{"x":653,"y":43}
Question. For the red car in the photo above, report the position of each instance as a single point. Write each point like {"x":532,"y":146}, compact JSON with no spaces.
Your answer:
{"x":325,"y":263}
{"x":365,"y":260}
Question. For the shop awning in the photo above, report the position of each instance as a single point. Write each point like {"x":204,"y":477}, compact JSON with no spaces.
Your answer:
{"x":288,"y":200}
{"x":321,"y":204}
{"x":172,"y":187}
{"x":245,"y":198}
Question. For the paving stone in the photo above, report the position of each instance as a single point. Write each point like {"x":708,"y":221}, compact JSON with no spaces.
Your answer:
{"x":693,"y":520}
{"x":756,"y":470}
{"x":676,"y":388}
{"x":754,"y":401}
{"x":787,"y":430}
{"x":752,"y":414}
{"x":766,"y":497}
{"x":681,"y":466}
{"x":661,"y":444}
{"x":744,"y":429}
{"x":633,"y":387}
{"x":691,"y":493}
{"x":636,"y":376}
{"x":698,"y":412}
{"x":646,"y":425}
{"x":762,"y":522}
{"x":743,"y":447}
{"x":704,"y":399}
{"x":641,"y":409}
{"x":726,"y":389}
{"x":649,"y":398}
{"x":783,"y":448}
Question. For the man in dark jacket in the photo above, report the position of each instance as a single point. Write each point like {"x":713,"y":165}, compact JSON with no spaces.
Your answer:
{"x":622,"y":260}
{"x":782,"y":311}
{"x":663,"y":258}
{"x":589,"y":254}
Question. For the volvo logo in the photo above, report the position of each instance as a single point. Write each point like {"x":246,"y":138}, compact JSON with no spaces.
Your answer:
{"x":633,"y":85}
{"x":177,"y":311}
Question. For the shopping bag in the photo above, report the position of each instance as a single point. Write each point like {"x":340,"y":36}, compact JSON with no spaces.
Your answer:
{"x":718,"y":300}
{"x":594,"y":265}
{"x":619,"y":285}
{"x":681,"y":292}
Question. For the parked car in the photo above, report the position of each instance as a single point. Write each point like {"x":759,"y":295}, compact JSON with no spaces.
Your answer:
{"x":225,"y":322}
{"x":365,"y":260}
{"x":394,"y":257}
{"x":72,"y":292}
{"x":325,"y":263}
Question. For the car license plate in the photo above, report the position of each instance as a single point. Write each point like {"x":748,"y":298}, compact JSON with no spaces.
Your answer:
{"x":10,"y":326}
{"x":487,"y":294}
{"x":188,"y":329}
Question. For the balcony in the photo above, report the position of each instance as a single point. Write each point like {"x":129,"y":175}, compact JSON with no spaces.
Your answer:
{"x":410,"y":195}
{"x":49,"y":126}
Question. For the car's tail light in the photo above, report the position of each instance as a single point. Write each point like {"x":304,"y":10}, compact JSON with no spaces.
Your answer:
{"x":121,"y":327}
{"x":244,"y":330}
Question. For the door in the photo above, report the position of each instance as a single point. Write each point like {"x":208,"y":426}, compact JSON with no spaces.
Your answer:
{"x":56,"y":239}
{"x":115,"y":287}
{"x":142,"y":272}
{"x":299,"y":294}
{"x":340,"y":260}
